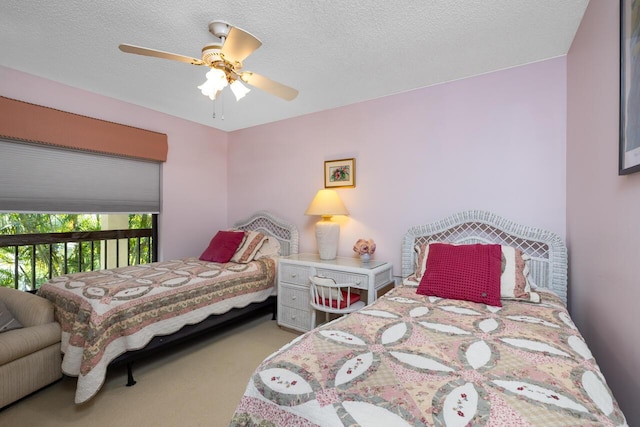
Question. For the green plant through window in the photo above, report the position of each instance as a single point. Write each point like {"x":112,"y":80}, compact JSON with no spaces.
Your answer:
{"x":79,"y":255}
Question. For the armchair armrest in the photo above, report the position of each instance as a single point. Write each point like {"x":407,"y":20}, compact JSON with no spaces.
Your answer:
{"x":22,"y":342}
{"x":29,"y":309}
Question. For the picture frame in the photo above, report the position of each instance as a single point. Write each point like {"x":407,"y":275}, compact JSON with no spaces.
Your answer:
{"x":340,"y":173}
{"x":629,"y":144}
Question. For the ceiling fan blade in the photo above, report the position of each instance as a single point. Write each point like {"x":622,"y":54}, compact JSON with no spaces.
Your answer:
{"x":278,"y":89}
{"x":239,"y":44}
{"x":159,"y":54}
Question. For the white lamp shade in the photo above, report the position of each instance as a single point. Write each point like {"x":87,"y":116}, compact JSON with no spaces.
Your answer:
{"x":239,"y":90}
{"x":327,"y":203}
{"x":216,"y":81}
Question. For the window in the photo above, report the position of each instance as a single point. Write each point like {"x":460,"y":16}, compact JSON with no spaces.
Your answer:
{"x":68,"y":167}
{"x":36,"y":247}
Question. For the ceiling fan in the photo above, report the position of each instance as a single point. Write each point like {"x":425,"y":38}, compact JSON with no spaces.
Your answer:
{"x":225,"y":60}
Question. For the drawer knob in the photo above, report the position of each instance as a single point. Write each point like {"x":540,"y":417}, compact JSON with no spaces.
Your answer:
{"x":294,"y":275}
{"x":293,"y":317}
{"x":293,"y":297}
{"x":358,"y":281}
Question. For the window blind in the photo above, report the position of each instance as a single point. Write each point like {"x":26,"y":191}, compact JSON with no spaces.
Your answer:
{"x":41,"y":178}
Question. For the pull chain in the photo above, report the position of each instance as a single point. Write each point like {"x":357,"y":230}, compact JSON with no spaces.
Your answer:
{"x":221,"y":96}
{"x":222,"y":104}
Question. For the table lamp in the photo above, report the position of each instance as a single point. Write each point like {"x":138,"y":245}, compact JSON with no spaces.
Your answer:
{"x":327,"y":203}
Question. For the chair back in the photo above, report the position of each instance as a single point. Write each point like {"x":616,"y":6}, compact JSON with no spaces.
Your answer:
{"x":332,"y":297}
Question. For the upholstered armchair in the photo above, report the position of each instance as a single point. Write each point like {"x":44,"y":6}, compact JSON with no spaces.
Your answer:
{"x":29,"y":356}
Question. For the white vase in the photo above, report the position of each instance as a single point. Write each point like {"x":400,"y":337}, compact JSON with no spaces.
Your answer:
{"x":365,"y":257}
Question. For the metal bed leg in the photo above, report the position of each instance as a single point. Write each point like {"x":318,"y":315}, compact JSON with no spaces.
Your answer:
{"x":130,"y":381}
{"x":275,"y":309}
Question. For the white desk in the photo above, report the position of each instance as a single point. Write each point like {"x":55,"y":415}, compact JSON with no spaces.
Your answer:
{"x":294,"y":310}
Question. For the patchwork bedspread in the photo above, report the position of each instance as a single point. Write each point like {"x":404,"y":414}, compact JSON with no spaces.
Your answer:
{"x":108,"y":312}
{"x":412,"y":360}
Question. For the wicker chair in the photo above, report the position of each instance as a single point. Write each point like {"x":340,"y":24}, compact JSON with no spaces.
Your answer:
{"x":331,"y":297}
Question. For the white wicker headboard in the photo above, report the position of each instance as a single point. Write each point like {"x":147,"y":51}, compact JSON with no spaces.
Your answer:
{"x":548,"y":264}
{"x":265,"y":222}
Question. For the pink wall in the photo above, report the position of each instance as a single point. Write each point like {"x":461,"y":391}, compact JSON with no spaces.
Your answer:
{"x":194,"y":178}
{"x":494,"y":142}
{"x":603,"y":209}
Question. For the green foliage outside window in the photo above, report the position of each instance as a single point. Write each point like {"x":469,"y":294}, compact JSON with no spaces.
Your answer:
{"x":14,"y":223}
{"x":137,"y":222}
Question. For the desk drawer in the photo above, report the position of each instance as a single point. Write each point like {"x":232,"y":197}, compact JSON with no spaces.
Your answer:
{"x":294,"y":318}
{"x":294,"y":296}
{"x":361,"y":280}
{"x":295,"y":274}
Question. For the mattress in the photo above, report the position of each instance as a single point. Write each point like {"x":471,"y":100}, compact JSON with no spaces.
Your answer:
{"x":414,"y":360}
{"x":108,"y":312}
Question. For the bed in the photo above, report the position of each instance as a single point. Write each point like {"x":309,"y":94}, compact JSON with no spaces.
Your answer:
{"x":411,"y":359}
{"x":119,"y":315}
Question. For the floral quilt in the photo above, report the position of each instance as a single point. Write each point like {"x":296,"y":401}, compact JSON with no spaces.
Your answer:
{"x":413,"y":360}
{"x":108,"y":312}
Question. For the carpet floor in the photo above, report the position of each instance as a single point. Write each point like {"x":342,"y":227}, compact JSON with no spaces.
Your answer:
{"x":197,"y":383}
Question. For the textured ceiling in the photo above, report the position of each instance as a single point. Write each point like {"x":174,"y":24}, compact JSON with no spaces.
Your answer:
{"x":334,"y":52}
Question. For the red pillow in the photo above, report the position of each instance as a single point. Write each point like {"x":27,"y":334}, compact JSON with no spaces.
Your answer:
{"x":222,"y":247}
{"x":463,"y":272}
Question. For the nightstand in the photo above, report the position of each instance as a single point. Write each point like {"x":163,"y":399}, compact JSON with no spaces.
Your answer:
{"x":294,"y":310}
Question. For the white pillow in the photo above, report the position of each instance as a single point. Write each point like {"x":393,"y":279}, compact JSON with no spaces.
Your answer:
{"x":249,"y":247}
{"x":514,"y":279}
{"x":270,"y":248}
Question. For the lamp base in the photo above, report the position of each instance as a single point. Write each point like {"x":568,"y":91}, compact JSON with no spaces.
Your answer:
{"x":327,"y":234}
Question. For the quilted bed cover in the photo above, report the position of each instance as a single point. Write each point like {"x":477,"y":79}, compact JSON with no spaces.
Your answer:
{"x":108,"y":312}
{"x":412,"y":360}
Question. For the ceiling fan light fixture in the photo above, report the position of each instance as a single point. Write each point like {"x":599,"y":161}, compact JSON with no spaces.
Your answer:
{"x":239,"y":90}
{"x":225,"y":60}
{"x":216,"y":81}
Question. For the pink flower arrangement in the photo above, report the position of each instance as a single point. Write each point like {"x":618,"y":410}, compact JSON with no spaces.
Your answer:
{"x":363,"y":246}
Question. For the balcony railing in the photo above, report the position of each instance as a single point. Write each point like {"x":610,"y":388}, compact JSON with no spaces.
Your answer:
{"x":64,"y":253}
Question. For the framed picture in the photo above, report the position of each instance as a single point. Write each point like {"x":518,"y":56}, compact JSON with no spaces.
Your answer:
{"x":340,"y":173}
{"x":629,"y":157}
